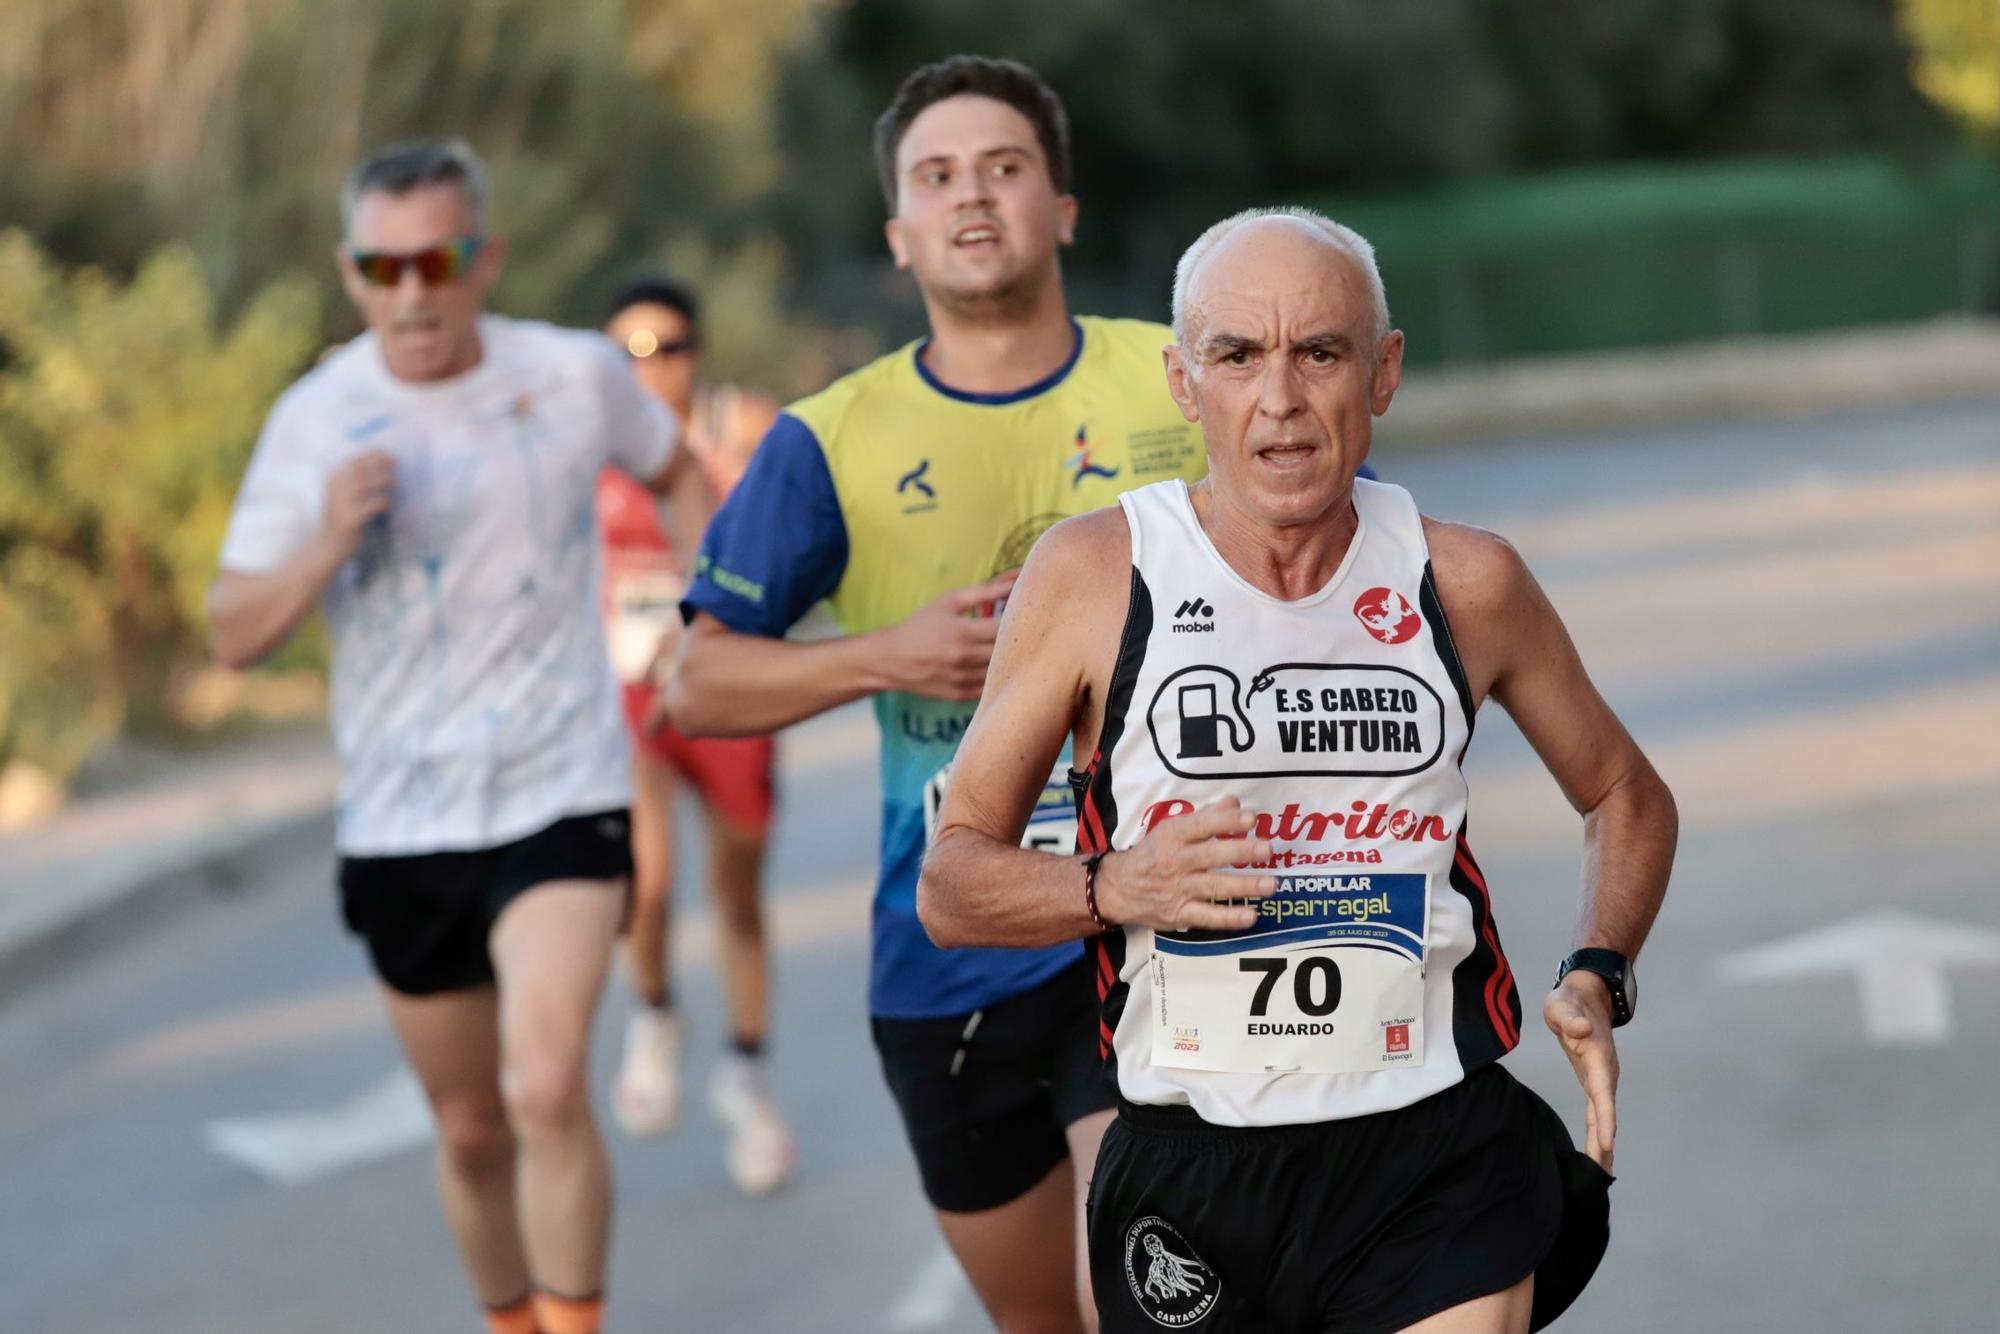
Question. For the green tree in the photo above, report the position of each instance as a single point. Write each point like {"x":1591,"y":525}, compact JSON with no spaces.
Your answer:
{"x":127,"y":415}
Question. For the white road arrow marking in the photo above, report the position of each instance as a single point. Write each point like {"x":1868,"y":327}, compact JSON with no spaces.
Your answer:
{"x":295,"y":1148}
{"x":1899,"y":959}
{"x":931,"y":1298}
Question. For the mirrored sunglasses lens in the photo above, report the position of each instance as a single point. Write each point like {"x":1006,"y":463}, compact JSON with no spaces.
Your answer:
{"x":433,"y":266}
{"x":380,"y":270}
{"x":441,"y":264}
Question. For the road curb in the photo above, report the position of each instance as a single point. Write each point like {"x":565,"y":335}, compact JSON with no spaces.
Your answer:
{"x":37,"y":953}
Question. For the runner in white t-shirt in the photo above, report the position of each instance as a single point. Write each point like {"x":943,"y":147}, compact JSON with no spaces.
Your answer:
{"x":432,"y":486}
{"x":1275,"y":673}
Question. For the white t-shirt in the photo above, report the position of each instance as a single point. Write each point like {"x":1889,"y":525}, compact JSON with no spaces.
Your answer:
{"x":472,"y":702}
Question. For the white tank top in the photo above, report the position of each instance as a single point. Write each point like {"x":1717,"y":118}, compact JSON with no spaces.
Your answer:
{"x":1374,"y":978}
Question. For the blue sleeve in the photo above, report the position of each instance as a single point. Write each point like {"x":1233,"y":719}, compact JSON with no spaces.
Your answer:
{"x":778,"y":544}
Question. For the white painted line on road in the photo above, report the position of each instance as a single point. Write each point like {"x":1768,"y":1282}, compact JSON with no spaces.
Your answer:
{"x":275,"y":1027}
{"x":932,"y":1296}
{"x":833,"y":915}
{"x":1897,"y":958}
{"x":295,"y":1148}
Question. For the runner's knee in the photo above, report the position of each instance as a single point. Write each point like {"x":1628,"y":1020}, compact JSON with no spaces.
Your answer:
{"x":546,"y":1096}
{"x":475,"y":1139}
{"x":740,"y":910}
{"x":650,"y":888}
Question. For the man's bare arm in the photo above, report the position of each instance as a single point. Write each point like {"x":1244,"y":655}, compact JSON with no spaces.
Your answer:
{"x":727,"y":683}
{"x":1516,"y":648}
{"x":978,"y":885}
{"x":252,"y":614}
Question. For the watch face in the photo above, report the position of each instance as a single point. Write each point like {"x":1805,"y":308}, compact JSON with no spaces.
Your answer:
{"x":1631,"y":989}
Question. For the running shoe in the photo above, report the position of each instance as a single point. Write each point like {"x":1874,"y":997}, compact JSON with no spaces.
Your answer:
{"x":761,"y":1152}
{"x":647,"y":1096}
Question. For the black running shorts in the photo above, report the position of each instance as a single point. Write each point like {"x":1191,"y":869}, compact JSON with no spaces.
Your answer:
{"x":1359,"y":1226}
{"x":987,"y":1096}
{"x":426,"y":918}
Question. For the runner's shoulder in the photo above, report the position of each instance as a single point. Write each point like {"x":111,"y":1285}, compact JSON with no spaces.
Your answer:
{"x":1119,"y":346}
{"x":542,"y":343}
{"x":1137,"y":337}
{"x":888,"y":380}
{"x":1481,"y":578}
{"x":313,"y":405}
{"x":1069,"y":561}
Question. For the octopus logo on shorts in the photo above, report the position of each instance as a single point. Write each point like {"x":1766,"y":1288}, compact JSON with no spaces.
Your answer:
{"x":1176,"y":1289}
{"x":1388,"y":615}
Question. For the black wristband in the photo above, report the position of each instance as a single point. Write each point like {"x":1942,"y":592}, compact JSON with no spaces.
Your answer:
{"x":1090,"y":865}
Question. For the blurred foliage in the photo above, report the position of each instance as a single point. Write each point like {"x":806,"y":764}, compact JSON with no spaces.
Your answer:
{"x":177,"y":162}
{"x":1957,"y":46}
{"x":615,"y":131}
{"x":1183,"y":113}
{"x":127,"y":414}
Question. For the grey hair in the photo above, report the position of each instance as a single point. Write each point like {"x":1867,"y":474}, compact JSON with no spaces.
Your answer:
{"x":398,"y":169}
{"x":1345,"y":239}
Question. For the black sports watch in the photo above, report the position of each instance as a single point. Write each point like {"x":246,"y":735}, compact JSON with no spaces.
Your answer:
{"x":1615,"y":969}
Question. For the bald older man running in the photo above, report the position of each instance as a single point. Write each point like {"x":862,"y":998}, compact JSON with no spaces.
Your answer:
{"x":1304,"y":994}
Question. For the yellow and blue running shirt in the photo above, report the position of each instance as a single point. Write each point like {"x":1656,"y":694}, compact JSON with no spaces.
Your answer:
{"x":888,"y":489}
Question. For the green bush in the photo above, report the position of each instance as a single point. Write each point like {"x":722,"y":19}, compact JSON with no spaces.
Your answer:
{"x":126,"y":419}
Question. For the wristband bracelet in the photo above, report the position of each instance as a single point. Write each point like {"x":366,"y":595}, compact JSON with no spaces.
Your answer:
{"x":1090,"y":865}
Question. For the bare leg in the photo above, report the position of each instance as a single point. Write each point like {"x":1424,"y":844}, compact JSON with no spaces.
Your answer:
{"x":453,"y":1043}
{"x":1496,"y":1313}
{"x":736,"y":867}
{"x":1018,"y":1257}
{"x":653,"y":791}
{"x":1084,"y":1137}
{"x":551,"y":948}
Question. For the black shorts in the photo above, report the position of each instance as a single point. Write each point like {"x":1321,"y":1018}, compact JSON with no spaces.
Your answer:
{"x":986,"y":1096}
{"x":426,"y":918}
{"x":1359,"y":1226}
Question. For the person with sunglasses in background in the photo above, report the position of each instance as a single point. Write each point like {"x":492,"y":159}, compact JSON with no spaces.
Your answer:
{"x":656,"y":322}
{"x":432,"y":485}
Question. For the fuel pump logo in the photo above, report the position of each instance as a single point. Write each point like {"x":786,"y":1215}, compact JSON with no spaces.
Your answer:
{"x":1296,"y":718}
{"x":1202,"y":721}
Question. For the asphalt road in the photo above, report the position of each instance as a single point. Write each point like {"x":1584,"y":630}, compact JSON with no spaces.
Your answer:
{"x":1801,"y":622}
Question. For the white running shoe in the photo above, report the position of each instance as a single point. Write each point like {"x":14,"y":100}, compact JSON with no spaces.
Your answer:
{"x":646,"y":1098}
{"x":761,"y":1153}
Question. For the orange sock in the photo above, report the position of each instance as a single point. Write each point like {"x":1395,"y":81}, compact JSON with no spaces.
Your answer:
{"x":513,"y":1318}
{"x":569,"y":1315}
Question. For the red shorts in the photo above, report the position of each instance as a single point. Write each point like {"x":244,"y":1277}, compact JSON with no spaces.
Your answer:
{"x":734,"y":775}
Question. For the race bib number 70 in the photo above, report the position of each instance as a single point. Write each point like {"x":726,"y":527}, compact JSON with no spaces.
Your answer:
{"x":1329,"y":981}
